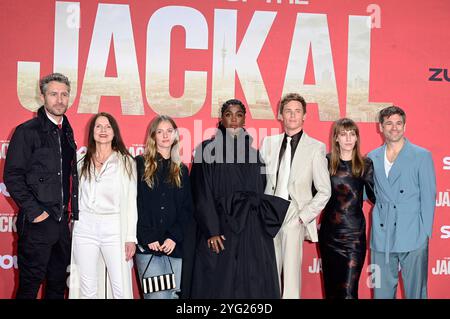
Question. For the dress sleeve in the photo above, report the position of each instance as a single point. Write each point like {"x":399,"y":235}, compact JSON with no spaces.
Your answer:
{"x":368,"y":180}
{"x":205,"y":212}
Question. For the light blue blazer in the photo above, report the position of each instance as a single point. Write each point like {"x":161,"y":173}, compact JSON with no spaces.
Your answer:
{"x":402,"y":218}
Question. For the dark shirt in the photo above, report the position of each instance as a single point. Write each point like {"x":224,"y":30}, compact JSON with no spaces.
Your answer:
{"x":67,"y":155}
{"x":294,"y":142}
{"x":163,"y":210}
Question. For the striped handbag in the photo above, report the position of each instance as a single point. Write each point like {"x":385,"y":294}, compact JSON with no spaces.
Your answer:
{"x":159,"y":282}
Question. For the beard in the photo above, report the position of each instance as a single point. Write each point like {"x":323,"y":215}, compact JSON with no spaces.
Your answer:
{"x":57,"y":109}
{"x":394,"y":137}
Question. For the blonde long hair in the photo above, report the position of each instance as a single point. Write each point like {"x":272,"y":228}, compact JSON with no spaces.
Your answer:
{"x":150,"y":162}
{"x":346,"y":124}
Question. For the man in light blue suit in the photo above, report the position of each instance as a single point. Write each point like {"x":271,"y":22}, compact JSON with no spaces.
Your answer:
{"x":402,"y":219}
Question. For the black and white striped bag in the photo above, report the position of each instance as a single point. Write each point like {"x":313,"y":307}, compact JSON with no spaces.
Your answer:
{"x":160,"y":282}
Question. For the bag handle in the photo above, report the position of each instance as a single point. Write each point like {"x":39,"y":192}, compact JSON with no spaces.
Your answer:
{"x":170,"y":264}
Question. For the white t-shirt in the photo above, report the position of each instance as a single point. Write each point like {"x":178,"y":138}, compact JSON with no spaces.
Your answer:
{"x":387,"y":164}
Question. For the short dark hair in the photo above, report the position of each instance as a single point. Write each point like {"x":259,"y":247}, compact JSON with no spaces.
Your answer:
{"x":389,"y":111}
{"x":228,"y":103}
{"x":292,"y":97}
{"x":57,"y":77}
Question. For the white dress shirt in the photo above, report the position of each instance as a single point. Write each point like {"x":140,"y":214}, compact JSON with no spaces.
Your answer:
{"x":100,"y":194}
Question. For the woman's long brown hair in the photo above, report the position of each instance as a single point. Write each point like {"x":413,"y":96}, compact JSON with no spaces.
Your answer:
{"x":346,"y":124}
{"x":117,"y":145}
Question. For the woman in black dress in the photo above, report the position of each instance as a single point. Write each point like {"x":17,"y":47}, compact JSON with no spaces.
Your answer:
{"x":342,"y":234}
{"x":234,"y":254}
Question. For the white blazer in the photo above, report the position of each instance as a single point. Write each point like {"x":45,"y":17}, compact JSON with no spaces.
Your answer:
{"x":309,"y":166}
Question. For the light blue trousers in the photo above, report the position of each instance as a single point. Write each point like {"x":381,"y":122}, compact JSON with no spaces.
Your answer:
{"x":414,"y":270}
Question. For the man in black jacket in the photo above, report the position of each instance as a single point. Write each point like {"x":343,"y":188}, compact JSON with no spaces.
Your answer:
{"x":40,"y":174}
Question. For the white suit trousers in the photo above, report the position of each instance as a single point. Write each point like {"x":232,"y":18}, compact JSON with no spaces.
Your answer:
{"x":289,"y":251}
{"x":98,"y":236}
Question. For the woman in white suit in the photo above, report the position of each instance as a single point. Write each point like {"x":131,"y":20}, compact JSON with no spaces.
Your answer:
{"x":104,"y":237}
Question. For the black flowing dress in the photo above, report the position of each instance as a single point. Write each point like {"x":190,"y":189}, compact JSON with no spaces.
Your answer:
{"x":228,"y":190}
{"x":342,"y":234}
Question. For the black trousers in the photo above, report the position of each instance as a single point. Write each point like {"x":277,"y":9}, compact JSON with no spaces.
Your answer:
{"x":43,"y":254}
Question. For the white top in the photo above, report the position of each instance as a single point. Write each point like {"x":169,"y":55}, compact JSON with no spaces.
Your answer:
{"x":100,"y":194}
{"x":387,"y":164}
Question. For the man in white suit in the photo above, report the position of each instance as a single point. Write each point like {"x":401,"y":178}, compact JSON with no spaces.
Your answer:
{"x":293,"y":170}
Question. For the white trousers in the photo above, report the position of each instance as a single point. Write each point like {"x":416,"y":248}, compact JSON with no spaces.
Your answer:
{"x":97,"y":236}
{"x":288,"y":251}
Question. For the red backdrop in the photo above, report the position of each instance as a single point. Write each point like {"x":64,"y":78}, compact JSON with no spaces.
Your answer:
{"x":138,"y":58}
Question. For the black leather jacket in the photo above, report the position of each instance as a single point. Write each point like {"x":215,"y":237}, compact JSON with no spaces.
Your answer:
{"x":33,"y":169}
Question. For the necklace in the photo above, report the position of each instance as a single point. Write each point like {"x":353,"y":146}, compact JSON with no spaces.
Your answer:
{"x":101,"y":162}
{"x":99,"y":168}
{"x":98,"y":176}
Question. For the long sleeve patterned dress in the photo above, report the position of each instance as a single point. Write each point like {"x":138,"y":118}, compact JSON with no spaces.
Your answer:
{"x":342,"y":234}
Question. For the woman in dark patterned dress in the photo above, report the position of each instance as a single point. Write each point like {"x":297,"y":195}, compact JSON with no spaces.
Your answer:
{"x":342,"y":234}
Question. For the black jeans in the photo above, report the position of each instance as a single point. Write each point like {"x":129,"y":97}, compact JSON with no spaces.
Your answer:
{"x":43,"y":253}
